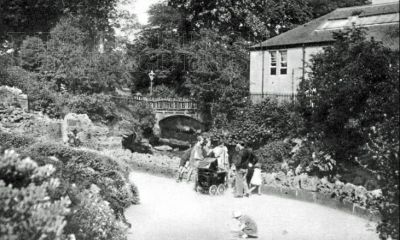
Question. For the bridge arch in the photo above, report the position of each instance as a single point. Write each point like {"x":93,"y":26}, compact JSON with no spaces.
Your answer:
{"x":180,"y":126}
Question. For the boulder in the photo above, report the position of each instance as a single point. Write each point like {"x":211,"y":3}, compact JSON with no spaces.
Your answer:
{"x":89,"y":134}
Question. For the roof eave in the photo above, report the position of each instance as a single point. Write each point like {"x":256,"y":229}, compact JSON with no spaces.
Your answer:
{"x":293,"y":45}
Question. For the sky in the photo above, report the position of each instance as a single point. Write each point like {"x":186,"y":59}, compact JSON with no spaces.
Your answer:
{"x":140,"y":8}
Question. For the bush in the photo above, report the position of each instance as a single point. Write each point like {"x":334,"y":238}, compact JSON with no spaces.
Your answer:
{"x":260,"y":124}
{"x":26,"y":210}
{"x":13,"y":140}
{"x":272,"y":155}
{"x":99,"y":107}
{"x":94,"y":219}
{"x":86,"y":168}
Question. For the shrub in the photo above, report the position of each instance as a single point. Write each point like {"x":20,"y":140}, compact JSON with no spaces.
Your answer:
{"x":260,"y":124}
{"x":26,"y":210}
{"x":94,"y":219}
{"x":273,"y":154}
{"x":98,"y":107}
{"x":86,"y":168}
{"x":13,"y":140}
{"x":383,"y":148}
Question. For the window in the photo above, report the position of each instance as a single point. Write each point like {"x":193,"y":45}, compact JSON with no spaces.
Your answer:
{"x":273,"y":63}
{"x":283,"y":62}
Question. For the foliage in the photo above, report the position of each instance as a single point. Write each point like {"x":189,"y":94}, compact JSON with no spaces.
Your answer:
{"x":259,"y":124}
{"x":21,"y":18}
{"x":244,"y":18}
{"x":86,"y":168}
{"x":162,"y":91}
{"x":272,"y":155}
{"x":98,"y":107}
{"x":347,"y":93}
{"x":72,"y":63}
{"x":32,"y":53}
{"x":94,"y":219}
{"x":383,"y":148}
{"x":12,"y":140}
{"x":27,"y":211}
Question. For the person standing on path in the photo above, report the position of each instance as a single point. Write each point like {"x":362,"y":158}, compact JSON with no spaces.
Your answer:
{"x":242,"y":164}
{"x":184,"y":163}
{"x":221,"y":153}
{"x":196,"y":155}
{"x":256,"y":180}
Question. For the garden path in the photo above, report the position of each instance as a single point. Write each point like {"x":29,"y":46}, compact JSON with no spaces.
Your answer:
{"x":173,"y":211}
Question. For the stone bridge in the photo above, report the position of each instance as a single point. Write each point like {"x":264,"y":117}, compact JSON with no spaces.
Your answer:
{"x":180,"y":112}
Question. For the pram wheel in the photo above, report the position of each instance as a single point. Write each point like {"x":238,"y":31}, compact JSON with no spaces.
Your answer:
{"x":221,"y":189}
{"x":213,"y":190}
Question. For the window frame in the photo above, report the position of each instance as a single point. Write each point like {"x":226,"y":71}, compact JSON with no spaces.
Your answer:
{"x":273,"y":69}
{"x":281,"y":62}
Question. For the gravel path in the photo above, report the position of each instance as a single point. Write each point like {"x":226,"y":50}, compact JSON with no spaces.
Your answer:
{"x":173,"y":211}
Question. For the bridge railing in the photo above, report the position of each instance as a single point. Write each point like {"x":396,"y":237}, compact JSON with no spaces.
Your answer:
{"x":162,"y":104}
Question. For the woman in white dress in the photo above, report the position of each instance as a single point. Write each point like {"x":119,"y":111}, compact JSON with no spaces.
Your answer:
{"x":256,"y":179}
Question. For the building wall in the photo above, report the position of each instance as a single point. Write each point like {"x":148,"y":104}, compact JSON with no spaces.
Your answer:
{"x":278,"y":84}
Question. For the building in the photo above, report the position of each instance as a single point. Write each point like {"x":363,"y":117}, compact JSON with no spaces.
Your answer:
{"x":278,"y":64}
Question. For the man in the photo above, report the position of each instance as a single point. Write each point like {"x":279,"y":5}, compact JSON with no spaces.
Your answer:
{"x":247,"y":226}
{"x":196,"y":155}
{"x":242,"y":164}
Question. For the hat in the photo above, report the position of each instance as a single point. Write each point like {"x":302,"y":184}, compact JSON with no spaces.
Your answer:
{"x":236,"y":214}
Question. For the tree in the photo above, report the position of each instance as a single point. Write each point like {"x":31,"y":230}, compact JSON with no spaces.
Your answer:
{"x":21,"y":18}
{"x":347,"y":93}
{"x":252,"y":20}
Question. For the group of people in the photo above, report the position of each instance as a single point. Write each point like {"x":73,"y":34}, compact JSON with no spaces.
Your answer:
{"x":247,"y":171}
{"x":244,"y":171}
{"x":202,"y":149}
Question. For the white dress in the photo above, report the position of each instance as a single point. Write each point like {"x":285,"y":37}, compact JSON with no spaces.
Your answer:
{"x":256,"y":179}
{"x":221,"y":153}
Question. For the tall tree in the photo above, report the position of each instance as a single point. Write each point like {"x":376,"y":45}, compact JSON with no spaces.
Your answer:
{"x":347,"y":93}
{"x":21,"y":18}
{"x":252,"y":20}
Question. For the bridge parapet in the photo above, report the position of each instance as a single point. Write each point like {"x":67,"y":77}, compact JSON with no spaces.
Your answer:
{"x":162,"y":104}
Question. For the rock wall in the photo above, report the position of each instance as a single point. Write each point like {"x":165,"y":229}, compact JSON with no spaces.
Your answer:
{"x":91,"y":135}
{"x":10,"y":96}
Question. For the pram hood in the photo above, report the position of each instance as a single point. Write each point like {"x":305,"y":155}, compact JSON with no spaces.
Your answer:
{"x":206,"y":162}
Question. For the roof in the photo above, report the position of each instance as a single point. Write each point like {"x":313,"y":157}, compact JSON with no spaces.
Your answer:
{"x":381,"y":22}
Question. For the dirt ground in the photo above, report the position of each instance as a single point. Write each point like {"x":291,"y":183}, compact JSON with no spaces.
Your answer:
{"x":173,"y":211}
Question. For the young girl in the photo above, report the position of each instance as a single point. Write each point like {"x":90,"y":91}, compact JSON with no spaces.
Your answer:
{"x":256,"y":180}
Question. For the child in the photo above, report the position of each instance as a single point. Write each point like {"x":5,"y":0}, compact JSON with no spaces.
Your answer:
{"x":256,"y":180}
{"x":247,"y":226}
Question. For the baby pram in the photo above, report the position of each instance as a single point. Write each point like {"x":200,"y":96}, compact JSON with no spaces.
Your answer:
{"x":211,"y":179}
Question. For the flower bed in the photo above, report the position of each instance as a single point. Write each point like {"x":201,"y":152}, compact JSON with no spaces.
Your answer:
{"x":345,"y":196}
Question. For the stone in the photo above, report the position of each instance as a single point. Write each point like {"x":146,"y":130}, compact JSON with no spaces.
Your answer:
{"x":269,"y":178}
{"x":89,"y":134}
{"x":163,"y":148}
{"x":10,"y":96}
